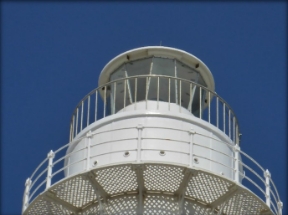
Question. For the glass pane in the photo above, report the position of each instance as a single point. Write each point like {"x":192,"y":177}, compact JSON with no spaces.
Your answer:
{"x":119,"y":73}
{"x":118,"y":101}
{"x":163,"y":66}
{"x":185,"y":72}
{"x":138,"y":67}
{"x":201,"y":81}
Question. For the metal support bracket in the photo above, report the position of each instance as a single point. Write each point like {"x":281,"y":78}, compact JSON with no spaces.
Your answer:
{"x":91,"y":176}
{"x":100,"y":192}
{"x":232,"y":190}
{"x":139,"y":169}
{"x":180,"y":192}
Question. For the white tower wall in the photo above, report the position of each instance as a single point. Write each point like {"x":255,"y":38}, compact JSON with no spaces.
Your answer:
{"x":166,"y":136}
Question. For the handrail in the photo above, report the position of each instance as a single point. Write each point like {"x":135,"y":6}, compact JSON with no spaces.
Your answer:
{"x":226,"y":118}
{"x":248,"y":176}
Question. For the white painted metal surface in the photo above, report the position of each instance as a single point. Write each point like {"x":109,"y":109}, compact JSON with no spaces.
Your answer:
{"x":160,"y":142}
{"x":165,"y":137}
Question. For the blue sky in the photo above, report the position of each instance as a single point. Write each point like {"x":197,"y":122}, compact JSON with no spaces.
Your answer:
{"x":53,"y":53}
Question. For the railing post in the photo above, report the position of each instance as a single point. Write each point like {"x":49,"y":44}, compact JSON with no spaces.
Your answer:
{"x":88,"y":146}
{"x":267,"y":176}
{"x":236,"y":162}
{"x":51,"y":155}
{"x":280,"y":206}
{"x":26,"y":194}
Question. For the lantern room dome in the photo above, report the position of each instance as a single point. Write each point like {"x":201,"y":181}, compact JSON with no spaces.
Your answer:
{"x":158,"y":60}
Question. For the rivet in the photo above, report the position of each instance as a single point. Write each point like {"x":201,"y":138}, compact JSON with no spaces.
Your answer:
{"x":162,"y":153}
{"x":126,"y":154}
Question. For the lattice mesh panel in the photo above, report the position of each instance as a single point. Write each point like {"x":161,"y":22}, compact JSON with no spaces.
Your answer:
{"x":125,"y":205}
{"x":162,"y":178}
{"x":195,"y":209}
{"x":78,"y":191}
{"x":117,"y":179}
{"x":43,"y":207}
{"x":243,"y":203}
{"x":161,"y":205}
{"x":92,"y":210}
{"x":206,"y":187}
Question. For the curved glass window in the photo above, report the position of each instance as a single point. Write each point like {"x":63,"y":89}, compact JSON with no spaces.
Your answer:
{"x":138,"y":89}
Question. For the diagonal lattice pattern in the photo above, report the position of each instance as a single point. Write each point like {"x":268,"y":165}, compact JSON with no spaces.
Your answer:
{"x":243,"y":203}
{"x":45,"y":207}
{"x":93,"y":209}
{"x":157,"y":204}
{"x":78,"y":191}
{"x":206,"y":187}
{"x":202,"y":189}
{"x":162,"y":178}
{"x":196,"y":209}
{"x":125,"y":205}
{"x":117,"y":179}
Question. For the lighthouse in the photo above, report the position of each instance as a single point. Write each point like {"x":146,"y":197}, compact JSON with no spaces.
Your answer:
{"x":153,"y":138}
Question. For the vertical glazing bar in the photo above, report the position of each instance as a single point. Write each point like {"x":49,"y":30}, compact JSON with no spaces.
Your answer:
{"x":50,"y":156}
{"x":200,"y":102}
{"x":124,"y":101}
{"x":70,"y":135}
{"x":129,"y":88}
{"x":169,"y":92}
{"x":229,"y":123}
{"x":73,"y":126}
{"x":146,"y":96}
{"x":180,"y":89}
{"x":190,"y":99}
{"x":158,"y":93}
{"x":209,"y":108}
{"x":237,"y":133}
{"x":96,"y":104}
{"x":236,"y":163}
{"x":224,"y":123}
{"x":82,"y":107}
{"x":217,"y":112}
{"x":77,"y":113}
{"x":88,"y":110}
{"x":267,"y":176}
{"x":114,"y":98}
{"x":135,"y":94}
{"x":105,"y":100}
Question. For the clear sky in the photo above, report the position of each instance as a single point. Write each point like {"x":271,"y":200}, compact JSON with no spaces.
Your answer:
{"x":53,"y":53}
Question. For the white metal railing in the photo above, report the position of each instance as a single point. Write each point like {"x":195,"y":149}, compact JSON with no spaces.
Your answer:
{"x":118,"y":94}
{"x":255,"y":177}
